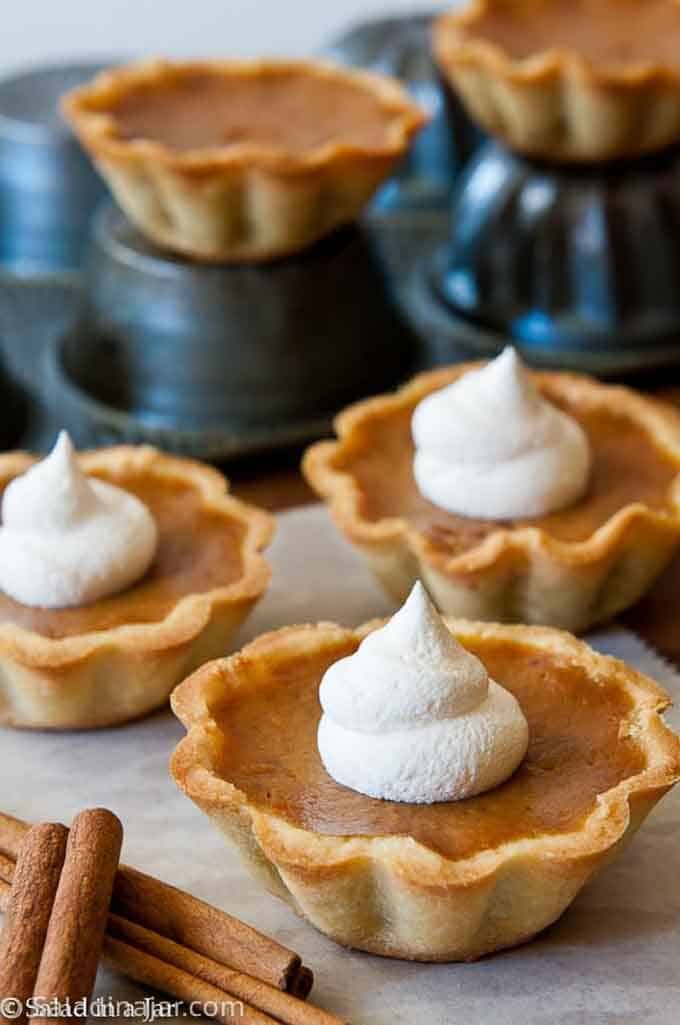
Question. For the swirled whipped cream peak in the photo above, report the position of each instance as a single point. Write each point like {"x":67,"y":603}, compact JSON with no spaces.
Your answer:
{"x":490,"y":446}
{"x":413,"y":716}
{"x":68,"y":539}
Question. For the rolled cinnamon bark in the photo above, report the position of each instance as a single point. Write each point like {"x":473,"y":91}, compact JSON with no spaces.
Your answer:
{"x":151,"y":971}
{"x":201,"y":927}
{"x":35,"y":883}
{"x":302,"y":984}
{"x":188,"y":921}
{"x":193,"y":984}
{"x":255,"y":992}
{"x":75,"y":934}
{"x":7,"y":868}
{"x":12,"y":832}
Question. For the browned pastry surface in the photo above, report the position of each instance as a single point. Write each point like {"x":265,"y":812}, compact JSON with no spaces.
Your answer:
{"x":609,"y":32}
{"x":627,"y":467}
{"x":199,"y":549}
{"x":284,"y":108}
{"x":577,"y":751}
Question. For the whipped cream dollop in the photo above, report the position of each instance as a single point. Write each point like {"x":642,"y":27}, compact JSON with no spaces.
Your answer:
{"x":412,"y":716}
{"x":490,"y":446}
{"x":67,"y":539}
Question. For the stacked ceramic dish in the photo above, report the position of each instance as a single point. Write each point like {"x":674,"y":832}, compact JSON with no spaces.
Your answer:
{"x":231,"y":301}
{"x":563,"y":226}
{"x":247,"y":298}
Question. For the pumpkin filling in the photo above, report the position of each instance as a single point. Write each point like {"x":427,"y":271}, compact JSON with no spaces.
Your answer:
{"x":198,"y":550}
{"x":627,"y":468}
{"x":289,"y":110}
{"x":614,"y":33}
{"x":577,"y":750}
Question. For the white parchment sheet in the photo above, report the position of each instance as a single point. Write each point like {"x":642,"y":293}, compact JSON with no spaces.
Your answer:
{"x":613,"y":959}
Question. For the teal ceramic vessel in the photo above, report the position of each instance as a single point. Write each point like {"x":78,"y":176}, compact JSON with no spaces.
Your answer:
{"x":48,"y":188}
{"x":231,"y":351}
{"x":582,"y":262}
{"x":401,"y":47}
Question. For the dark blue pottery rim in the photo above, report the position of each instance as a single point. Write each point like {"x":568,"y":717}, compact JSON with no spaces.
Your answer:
{"x":49,"y":188}
{"x":104,"y":424}
{"x":26,"y":129}
{"x":452,"y":338}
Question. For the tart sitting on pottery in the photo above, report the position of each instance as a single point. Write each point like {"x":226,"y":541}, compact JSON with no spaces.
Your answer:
{"x":516,"y":496}
{"x":120,"y":571}
{"x":242,"y":160}
{"x":424,"y":790}
{"x":585,"y":80}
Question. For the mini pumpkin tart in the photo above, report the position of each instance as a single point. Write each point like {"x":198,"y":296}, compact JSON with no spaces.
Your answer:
{"x":242,"y":160}
{"x":166,"y":562}
{"x":450,"y":880}
{"x":586,"y":81}
{"x":617,"y":520}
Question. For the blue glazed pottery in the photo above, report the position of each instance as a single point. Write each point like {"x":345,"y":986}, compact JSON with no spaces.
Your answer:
{"x":569,"y":259}
{"x":232,"y":351}
{"x":401,"y":47}
{"x":48,"y":188}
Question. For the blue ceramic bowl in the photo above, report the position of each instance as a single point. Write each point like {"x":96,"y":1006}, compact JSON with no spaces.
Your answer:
{"x":48,"y":187}
{"x":568,"y":259}
{"x":401,"y":47}
{"x":231,"y":351}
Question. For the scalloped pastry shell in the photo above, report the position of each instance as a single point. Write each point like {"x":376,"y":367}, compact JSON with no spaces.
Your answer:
{"x":557,"y":104}
{"x":391,"y":895}
{"x":518,"y":574}
{"x":249,"y":202}
{"x":112,"y":676}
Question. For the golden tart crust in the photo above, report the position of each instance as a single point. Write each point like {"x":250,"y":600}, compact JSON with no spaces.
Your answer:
{"x":249,"y":188}
{"x":591,"y":81}
{"x":439,"y":882}
{"x":575,"y":568}
{"x":119,"y":658}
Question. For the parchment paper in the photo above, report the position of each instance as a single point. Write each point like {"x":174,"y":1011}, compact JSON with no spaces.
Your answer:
{"x":611,"y":960}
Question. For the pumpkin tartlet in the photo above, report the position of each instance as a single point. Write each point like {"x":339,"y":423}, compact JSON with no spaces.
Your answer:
{"x":449,"y":881}
{"x":120,"y":657}
{"x":569,"y":81}
{"x":242,"y":160}
{"x":571,"y":569}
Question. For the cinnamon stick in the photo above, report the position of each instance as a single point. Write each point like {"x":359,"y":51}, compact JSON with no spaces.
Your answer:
{"x":303,"y":983}
{"x":12,"y":832}
{"x":75,"y":935}
{"x":187,"y":920}
{"x":201,"y":927}
{"x":255,"y":992}
{"x":184,"y":974}
{"x":151,"y":971}
{"x":148,"y":946}
{"x":7,"y":868}
{"x":140,"y":967}
{"x":36,"y":878}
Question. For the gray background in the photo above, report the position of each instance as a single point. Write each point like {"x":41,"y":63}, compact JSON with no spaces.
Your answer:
{"x":35,"y":30}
